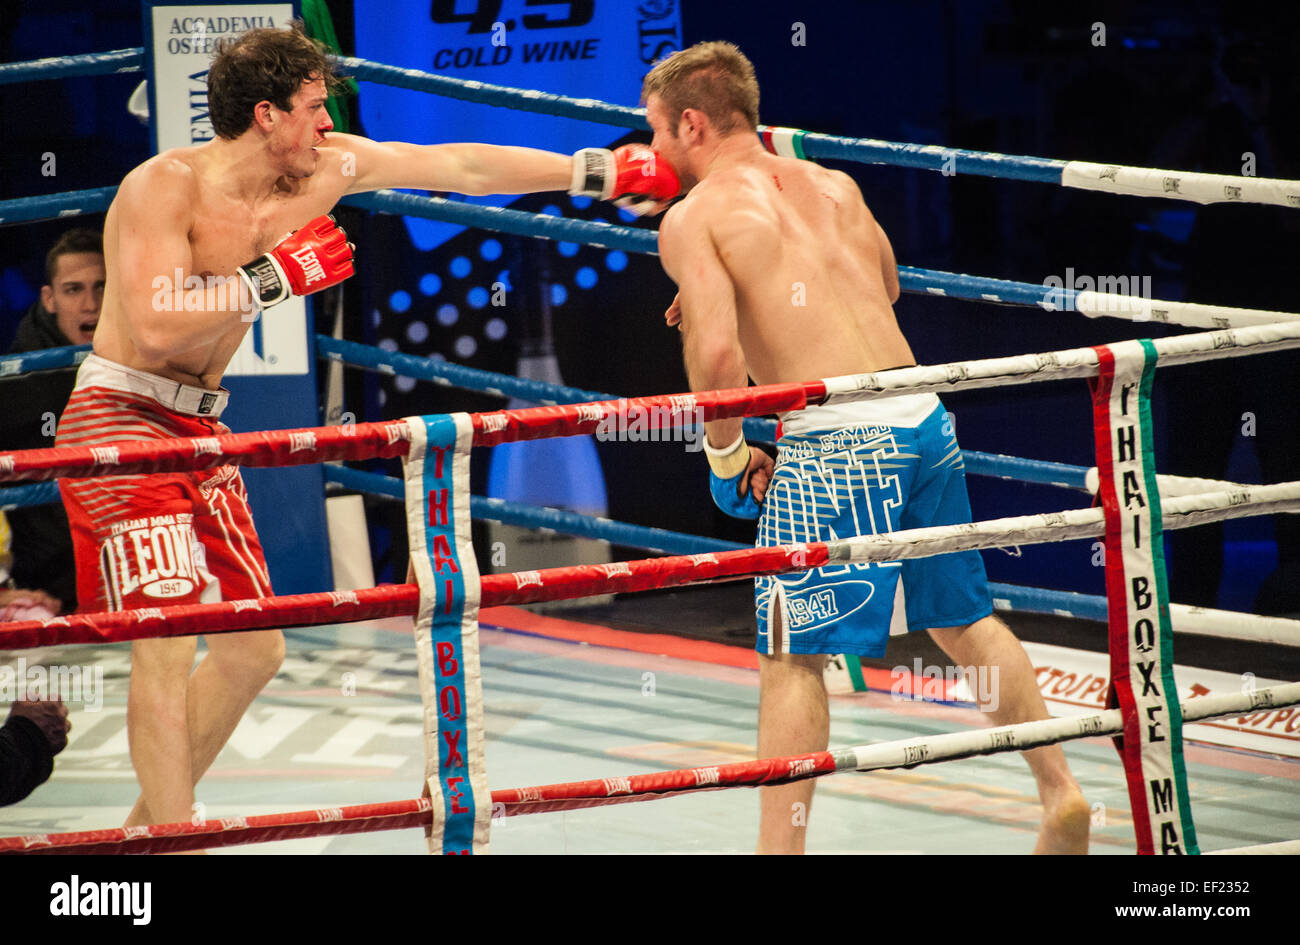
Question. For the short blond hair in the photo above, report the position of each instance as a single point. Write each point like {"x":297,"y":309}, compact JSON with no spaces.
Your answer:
{"x":715,"y":78}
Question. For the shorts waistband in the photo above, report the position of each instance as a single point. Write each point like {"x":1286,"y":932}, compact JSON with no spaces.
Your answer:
{"x":841,"y":410}
{"x":181,"y":398}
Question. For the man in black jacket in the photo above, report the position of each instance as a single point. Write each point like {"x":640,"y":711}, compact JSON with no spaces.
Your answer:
{"x":65,"y":314}
{"x":34,"y":733}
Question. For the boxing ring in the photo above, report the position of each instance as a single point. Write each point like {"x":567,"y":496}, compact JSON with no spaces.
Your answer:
{"x":691,"y":560}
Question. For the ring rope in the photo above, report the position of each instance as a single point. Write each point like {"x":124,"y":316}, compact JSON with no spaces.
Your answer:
{"x":38,"y":493}
{"x":1103,"y":178}
{"x":1007,"y":597}
{"x":1064,"y":364}
{"x":558,"y":520}
{"x":489,"y":382}
{"x":641,"y":240}
{"x":526,"y":587}
{"x":907,"y":753}
{"x":65,"y":67}
{"x":70,"y":203}
{"x":1200,"y":621}
{"x":443,"y":372}
{"x":389,"y":438}
{"x":47,"y":359}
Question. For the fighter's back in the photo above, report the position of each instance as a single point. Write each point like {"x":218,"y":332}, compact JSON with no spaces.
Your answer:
{"x":813,"y":273}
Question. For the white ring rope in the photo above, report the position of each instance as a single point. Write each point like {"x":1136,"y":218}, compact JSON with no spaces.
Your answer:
{"x":1061,"y":365}
{"x":988,"y":741}
{"x":1232,"y":625}
{"x":1178,"y":512}
{"x":1171,"y":486}
{"x":1192,"y":314}
{"x":1196,"y":186}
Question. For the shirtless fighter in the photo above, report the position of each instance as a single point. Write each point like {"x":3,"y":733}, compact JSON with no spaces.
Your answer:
{"x":757,"y":237}
{"x":195,"y":245}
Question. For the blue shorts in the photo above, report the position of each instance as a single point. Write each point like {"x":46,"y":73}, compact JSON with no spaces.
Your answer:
{"x":865,"y":468}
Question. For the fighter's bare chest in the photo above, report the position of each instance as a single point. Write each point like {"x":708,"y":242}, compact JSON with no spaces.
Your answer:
{"x":224,"y":235}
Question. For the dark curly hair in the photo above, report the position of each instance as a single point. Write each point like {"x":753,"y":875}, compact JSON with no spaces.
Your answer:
{"x":261,"y":65}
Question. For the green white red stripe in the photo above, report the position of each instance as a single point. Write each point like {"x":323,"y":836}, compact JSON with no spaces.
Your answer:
{"x":784,"y":142}
{"x":1141,"y":639}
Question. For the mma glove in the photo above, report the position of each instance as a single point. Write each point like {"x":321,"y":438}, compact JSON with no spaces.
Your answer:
{"x":728,"y":470}
{"x":308,"y":260}
{"x":636,"y":174}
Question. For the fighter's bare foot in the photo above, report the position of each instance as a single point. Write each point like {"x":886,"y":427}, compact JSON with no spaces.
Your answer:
{"x":1066,"y":819}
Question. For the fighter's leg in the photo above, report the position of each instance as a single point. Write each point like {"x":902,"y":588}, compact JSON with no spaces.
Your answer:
{"x":158,"y":729}
{"x":237,"y":667}
{"x":793,"y":719}
{"x":1015,"y":697}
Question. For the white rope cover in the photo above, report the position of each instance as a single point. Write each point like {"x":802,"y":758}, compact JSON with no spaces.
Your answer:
{"x":1179,"y":512}
{"x":1061,"y":365}
{"x":1179,"y":185}
{"x":987,"y":741}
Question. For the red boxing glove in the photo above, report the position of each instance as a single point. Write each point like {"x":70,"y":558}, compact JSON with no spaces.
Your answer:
{"x":313,"y":258}
{"x":643,"y":178}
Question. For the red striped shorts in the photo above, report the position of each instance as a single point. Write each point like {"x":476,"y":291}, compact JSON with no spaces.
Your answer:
{"x":161,"y":539}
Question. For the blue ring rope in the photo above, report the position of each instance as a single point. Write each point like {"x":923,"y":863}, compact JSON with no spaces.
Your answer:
{"x":64,"y":67}
{"x":923,"y":281}
{"x":505,"y":220}
{"x":38,"y":493}
{"x":528,"y":516}
{"x":47,"y":359}
{"x":70,"y":203}
{"x":526,"y":100}
{"x":814,"y":145}
{"x":1017,"y":468}
{"x":1038,"y":600}
{"x":1028,"y":599}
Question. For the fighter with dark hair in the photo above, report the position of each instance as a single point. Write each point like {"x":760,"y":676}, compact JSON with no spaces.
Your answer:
{"x":218,"y":211}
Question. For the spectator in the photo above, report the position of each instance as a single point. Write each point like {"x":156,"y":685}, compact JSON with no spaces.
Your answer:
{"x":65,"y":314}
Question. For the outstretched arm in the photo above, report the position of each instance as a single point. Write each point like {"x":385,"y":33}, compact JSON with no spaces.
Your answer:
{"x":473,"y":169}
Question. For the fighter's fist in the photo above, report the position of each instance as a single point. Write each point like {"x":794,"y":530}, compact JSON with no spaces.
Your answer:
{"x":738,"y":478}
{"x":641,"y":177}
{"x":313,"y":258}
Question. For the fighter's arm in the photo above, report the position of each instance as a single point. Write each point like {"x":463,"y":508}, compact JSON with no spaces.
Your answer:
{"x":706,"y":303}
{"x":473,"y":169}
{"x":706,"y":300}
{"x":154,"y":211}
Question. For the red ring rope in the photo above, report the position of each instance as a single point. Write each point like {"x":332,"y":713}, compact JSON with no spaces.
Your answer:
{"x":395,"y":600}
{"x":391,"y":438}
